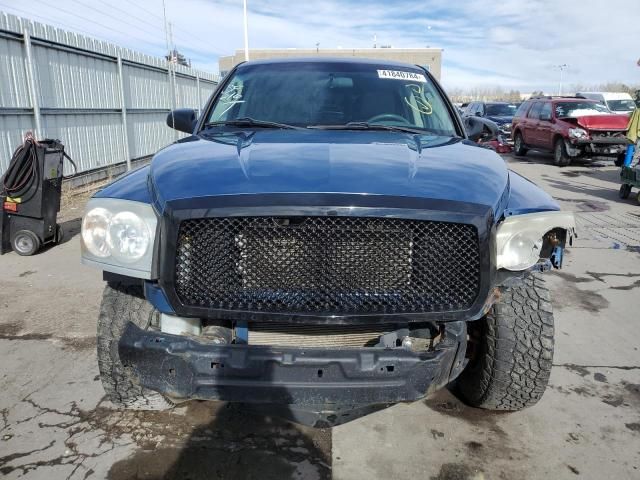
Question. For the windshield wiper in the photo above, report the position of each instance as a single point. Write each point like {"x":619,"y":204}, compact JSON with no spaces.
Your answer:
{"x":371,"y":126}
{"x":250,"y":122}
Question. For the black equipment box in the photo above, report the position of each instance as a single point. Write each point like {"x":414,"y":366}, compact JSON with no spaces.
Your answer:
{"x":30,"y":194}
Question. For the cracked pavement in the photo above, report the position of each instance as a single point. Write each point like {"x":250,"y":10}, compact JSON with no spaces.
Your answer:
{"x":56,"y":423}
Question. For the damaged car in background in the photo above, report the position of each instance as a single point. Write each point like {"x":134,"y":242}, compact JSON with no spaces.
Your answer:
{"x":501,"y":113}
{"x":569,"y":127}
{"x":316,"y":245}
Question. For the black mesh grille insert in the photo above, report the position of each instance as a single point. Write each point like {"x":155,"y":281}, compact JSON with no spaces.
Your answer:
{"x":327,"y":265}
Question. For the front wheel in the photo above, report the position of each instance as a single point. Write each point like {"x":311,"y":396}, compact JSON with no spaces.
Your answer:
{"x":511,"y":350}
{"x":518,"y":145}
{"x":619,"y":161}
{"x":560,"y":156}
{"x":625,"y":191}
{"x":120,"y":305}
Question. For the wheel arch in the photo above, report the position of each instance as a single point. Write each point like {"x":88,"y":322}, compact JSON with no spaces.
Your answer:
{"x":557,"y":136}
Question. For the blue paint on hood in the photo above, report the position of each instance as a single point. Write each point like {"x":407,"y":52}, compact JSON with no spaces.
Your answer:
{"x":131,"y":186}
{"x":526,"y":197}
{"x":500,"y":119}
{"x":311,"y":161}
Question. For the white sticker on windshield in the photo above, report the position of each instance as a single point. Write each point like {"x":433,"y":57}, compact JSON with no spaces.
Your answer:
{"x":398,"y":75}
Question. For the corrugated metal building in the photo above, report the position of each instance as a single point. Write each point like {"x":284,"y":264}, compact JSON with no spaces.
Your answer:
{"x":108,"y":104}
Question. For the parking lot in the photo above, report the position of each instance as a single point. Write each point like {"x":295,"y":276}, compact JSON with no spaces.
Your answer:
{"x":55,"y":422}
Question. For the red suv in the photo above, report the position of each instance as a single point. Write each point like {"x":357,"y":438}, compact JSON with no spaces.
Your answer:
{"x":570,"y":127}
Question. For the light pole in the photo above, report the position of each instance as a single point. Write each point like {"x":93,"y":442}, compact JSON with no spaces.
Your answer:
{"x":562,"y":68}
{"x":246,"y":33}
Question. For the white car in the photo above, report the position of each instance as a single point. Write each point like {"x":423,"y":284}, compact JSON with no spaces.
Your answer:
{"x":620,"y":103}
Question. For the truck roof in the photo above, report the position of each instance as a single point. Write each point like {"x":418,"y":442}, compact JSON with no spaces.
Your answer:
{"x":378,"y":62}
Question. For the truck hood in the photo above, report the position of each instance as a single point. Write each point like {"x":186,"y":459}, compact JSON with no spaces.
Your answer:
{"x":354,"y":162}
{"x":603,"y":122}
{"x":500,"y":119}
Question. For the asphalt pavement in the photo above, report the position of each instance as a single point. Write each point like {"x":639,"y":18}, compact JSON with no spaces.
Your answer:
{"x":56,"y":423}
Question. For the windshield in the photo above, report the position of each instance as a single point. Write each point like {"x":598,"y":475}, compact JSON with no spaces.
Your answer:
{"x":333,"y":94}
{"x":621,"y":105}
{"x":580,"y":109}
{"x":501,"y":110}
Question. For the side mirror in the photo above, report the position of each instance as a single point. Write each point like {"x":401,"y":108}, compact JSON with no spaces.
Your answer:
{"x":480,"y":128}
{"x":182,"y":119}
{"x":478,"y":114}
{"x":545,"y":117}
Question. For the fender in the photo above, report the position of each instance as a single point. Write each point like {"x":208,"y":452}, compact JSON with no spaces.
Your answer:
{"x":526,"y":197}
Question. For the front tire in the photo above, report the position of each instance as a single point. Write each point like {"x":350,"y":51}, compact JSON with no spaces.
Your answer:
{"x":513,"y":343}
{"x":120,"y":305}
{"x":518,"y":145}
{"x":625,"y":191}
{"x":560,"y":156}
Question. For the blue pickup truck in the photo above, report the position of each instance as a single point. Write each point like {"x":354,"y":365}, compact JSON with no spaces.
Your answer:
{"x":327,"y":239}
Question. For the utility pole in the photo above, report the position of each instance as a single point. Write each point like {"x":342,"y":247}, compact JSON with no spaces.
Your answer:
{"x":174,"y":63}
{"x":166,"y":39}
{"x":246,"y":33}
{"x":172,"y":44}
{"x":562,"y":68}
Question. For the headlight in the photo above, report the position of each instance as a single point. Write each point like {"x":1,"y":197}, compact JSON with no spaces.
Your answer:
{"x":95,"y":228}
{"x":520,"y":252}
{"x":578,"y":133}
{"x":118,"y":236}
{"x":519,"y":238}
{"x":128,"y":236}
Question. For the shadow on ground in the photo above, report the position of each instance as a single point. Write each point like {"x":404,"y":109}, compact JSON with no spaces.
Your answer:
{"x":227,"y":441}
{"x":582,"y":177}
{"x":70,"y":229}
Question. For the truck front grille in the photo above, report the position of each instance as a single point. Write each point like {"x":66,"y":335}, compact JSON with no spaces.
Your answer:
{"x":327,"y":265}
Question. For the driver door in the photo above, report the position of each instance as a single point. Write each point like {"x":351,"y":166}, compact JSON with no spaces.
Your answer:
{"x":544,"y":134}
{"x":530,"y":131}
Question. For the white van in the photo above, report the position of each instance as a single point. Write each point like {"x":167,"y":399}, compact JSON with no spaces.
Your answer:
{"x":618,"y":102}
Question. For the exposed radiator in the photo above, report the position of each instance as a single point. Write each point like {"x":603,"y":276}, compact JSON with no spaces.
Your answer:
{"x":309,"y":336}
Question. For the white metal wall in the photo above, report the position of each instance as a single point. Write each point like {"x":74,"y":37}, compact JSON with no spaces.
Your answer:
{"x":78,"y":84}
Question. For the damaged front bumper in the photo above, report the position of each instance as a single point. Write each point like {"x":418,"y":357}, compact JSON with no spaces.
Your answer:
{"x":316,"y":380}
{"x":605,"y":146}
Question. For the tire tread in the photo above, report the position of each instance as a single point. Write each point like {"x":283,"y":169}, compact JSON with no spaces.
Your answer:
{"x":120,"y":305}
{"x":517,"y":351}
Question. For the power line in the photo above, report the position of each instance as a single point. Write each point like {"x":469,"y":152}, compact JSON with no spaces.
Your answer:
{"x":148,"y":12}
{"x":204,"y":44}
{"x":175,"y":26}
{"x":81,"y":17}
{"x":114,"y":17}
{"x":154,"y":25}
{"x":54,"y":22}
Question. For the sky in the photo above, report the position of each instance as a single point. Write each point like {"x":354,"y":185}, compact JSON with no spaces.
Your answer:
{"x":515,"y":44}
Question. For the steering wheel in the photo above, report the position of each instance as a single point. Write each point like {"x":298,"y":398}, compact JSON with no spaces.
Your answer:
{"x":388,"y":117}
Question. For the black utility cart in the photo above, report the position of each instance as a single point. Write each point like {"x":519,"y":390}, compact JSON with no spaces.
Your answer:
{"x":30,"y":193}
